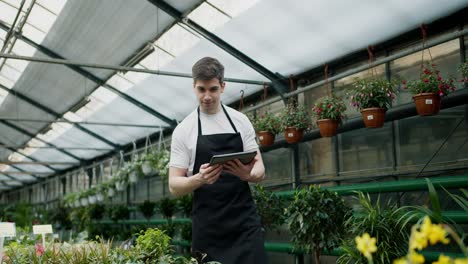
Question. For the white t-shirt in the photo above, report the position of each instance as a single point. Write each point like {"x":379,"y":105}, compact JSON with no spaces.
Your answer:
{"x":184,"y":137}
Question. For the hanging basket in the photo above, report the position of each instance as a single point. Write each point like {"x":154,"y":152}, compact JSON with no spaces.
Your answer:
{"x":110,"y":192}
{"x":427,"y":103}
{"x":328,"y":127}
{"x":120,"y":186}
{"x":100,"y":197}
{"x":146,"y":168}
{"x":373,"y":117}
{"x":265,"y":138}
{"x":92,"y":199}
{"x":293,"y":135}
{"x":133,"y":177}
{"x":84,"y":201}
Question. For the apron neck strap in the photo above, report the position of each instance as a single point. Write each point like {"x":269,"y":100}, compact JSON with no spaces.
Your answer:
{"x":225,"y":112}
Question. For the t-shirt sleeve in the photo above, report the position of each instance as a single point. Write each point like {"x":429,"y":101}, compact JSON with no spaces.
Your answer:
{"x":249,"y":139}
{"x":180,"y":156}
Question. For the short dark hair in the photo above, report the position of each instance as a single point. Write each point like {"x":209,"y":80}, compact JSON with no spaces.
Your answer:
{"x":208,"y":68}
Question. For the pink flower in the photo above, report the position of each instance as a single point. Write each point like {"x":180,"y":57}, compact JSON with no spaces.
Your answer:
{"x":39,"y":250}
{"x":441,"y":93}
{"x":441,"y":86}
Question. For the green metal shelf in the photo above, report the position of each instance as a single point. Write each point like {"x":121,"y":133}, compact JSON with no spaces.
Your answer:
{"x":145,"y":222}
{"x":394,"y":186}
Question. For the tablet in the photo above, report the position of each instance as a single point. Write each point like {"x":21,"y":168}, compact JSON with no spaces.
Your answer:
{"x":244,"y":157}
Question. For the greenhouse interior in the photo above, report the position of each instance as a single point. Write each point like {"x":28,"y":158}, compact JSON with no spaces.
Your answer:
{"x":356,"y":113}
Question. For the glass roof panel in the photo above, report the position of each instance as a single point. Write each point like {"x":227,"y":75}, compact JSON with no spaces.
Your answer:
{"x":208,"y":17}
{"x":33,"y":33}
{"x":177,"y":40}
{"x":233,"y":7}
{"x":119,"y":82}
{"x":41,"y":18}
{"x":55,"y":6}
{"x":23,"y":49}
{"x":8,"y":13}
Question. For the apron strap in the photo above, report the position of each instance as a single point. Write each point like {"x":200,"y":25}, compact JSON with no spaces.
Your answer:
{"x":225,"y":112}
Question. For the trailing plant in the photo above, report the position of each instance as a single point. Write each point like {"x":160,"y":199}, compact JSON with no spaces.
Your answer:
{"x":385,"y":223}
{"x":372,"y":92}
{"x":329,"y":107}
{"x":316,"y":219}
{"x":430,"y":81}
{"x":266,"y":122}
{"x":295,"y":116}
{"x":463,"y":68}
{"x":270,"y":207}
{"x":162,"y":164}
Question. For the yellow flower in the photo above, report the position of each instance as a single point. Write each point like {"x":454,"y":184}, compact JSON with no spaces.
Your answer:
{"x":366,"y":245}
{"x":442,"y":260}
{"x":418,"y":240}
{"x":461,"y":261}
{"x":434,"y":232}
{"x":416,"y":258}
{"x":400,"y":261}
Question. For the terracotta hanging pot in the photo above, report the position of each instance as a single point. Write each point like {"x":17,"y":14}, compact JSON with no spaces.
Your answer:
{"x":427,"y":103}
{"x":266,"y":138}
{"x":373,"y":117}
{"x":327,"y":127}
{"x":293,"y":135}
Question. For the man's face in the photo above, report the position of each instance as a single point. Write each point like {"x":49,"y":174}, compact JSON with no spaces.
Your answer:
{"x":208,"y":94}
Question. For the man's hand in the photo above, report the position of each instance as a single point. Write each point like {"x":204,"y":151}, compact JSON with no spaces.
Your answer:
{"x":209,"y":174}
{"x":241,"y":170}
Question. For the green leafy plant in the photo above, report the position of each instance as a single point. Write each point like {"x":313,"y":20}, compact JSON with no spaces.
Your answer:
{"x":295,"y":116}
{"x":154,"y":243}
{"x":270,"y":207}
{"x":96,"y":211}
{"x":119,"y":212}
{"x":162,"y":164}
{"x":329,"y":107}
{"x":316,"y":219}
{"x":385,"y":223}
{"x":61,"y":216}
{"x":430,"y":81}
{"x":266,"y":122}
{"x":185,"y":204}
{"x":147,"y":209}
{"x":167,"y":207}
{"x":372,"y":92}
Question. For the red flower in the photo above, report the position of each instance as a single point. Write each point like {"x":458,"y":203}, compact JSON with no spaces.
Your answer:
{"x":39,"y":250}
{"x":439,"y":78}
{"x":427,"y":71}
{"x":403,"y":82}
{"x":426,"y":80}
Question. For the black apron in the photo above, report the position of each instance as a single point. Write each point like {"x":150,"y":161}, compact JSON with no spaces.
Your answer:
{"x":225,"y":223}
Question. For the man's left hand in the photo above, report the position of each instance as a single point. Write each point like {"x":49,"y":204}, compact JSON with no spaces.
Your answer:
{"x":241,"y":170}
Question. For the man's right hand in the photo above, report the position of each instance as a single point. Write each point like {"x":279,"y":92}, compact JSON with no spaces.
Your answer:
{"x":209,"y":174}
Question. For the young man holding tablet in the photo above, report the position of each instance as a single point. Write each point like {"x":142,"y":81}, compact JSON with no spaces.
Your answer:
{"x":225,"y":223}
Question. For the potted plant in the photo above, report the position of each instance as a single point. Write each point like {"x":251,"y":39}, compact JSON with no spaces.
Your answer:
{"x":119,"y":212}
{"x":185,"y":204}
{"x":267,"y":126}
{"x":372,"y":97}
{"x":329,"y":112}
{"x":316,"y":220}
{"x":270,"y":207}
{"x":147,"y":209}
{"x":167,"y":207}
{"x":162,"y":163}
{"x":134,"y":171}
{"x":428,"y":90}
{"x":148,"y":163}
{"x":294,"y":120}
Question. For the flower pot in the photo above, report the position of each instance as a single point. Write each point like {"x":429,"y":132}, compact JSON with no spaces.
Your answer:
{"x":427,"y":103}
{"x":373,"y":117}
{"x":266,"y":138}
{"x":92,"y":199}
{"x":100,"y":197}
{"x":84,"y":201}
{"x":146,"y":168}
{"x":120,"y":186}
{"x":110,"y":192}
{"x":77,"y":203}
{"x":133,"y":177}
{"x":328,"y":127}
{"x":293,"y":135}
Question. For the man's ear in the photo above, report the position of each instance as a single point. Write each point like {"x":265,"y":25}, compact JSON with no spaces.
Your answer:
{"x":223,"y":84}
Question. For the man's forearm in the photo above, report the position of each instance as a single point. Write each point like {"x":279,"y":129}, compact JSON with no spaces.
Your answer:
{"x":257,"y":174}
{"x":181,"y":185}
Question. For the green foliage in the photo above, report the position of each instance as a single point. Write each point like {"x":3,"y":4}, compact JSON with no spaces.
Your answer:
{"x":79,"y":218}
{"x":185,"y":204}
{"x":186,"y":231}
{"x":329,"y":108}
{"x":384,"y":223}
{"x":317,"y":220}
{"x":119,"y":212}
{"x":147,"y":209}
{"x":430,"y":81}
{"x":463,"y":68}
{"x":162,"y":164}
{"x":96,"y":211}
{"x":295,"y":116}
{"x":372,"y":92}
{"x":167,"y":207}
{"x":270,"y":207}
{"x":153,"y":242}
{"x":266,"y":122}
{"x":61,"y":216}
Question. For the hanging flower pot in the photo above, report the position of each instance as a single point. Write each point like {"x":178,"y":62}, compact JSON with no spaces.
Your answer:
{"x":84,"y":201}
{"x":293,"y":135}
{"x":146,"y":168}
{"x":110,"y":192}
{"x":77,"y":203}
{"x":133,"y":177}
{"x":327,"y":127}
{"x":120,"y":185}
{"x":428,"y":90}
{"x":427,"y":103}
{"x":373,"y":117}
{"x":92,"y":199}
{"x":100,"y":197}
{"x":329,"y":110}
{"x":265,"y":138}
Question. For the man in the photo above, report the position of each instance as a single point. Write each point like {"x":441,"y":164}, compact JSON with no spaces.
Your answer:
{"x":225,"y":223}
